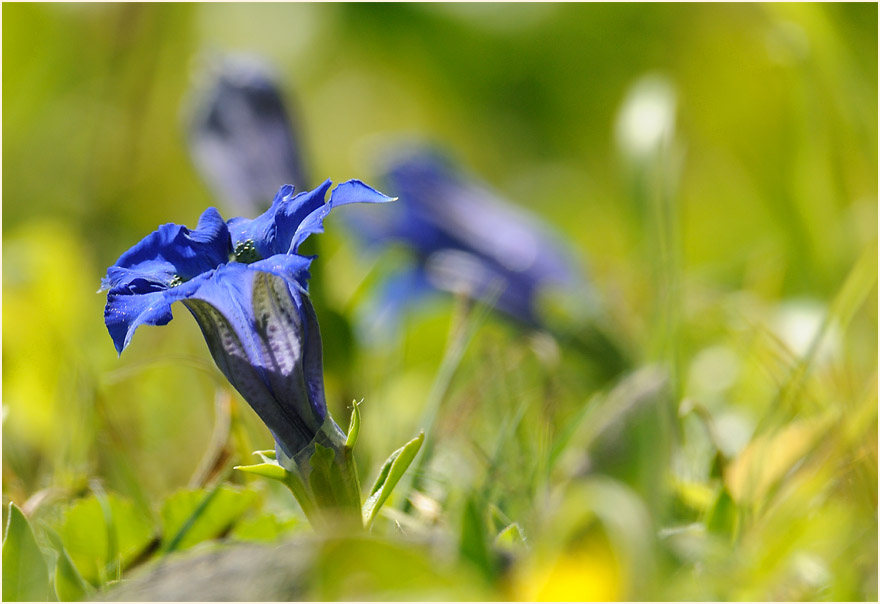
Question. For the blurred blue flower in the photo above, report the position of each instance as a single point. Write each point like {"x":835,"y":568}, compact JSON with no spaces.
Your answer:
{"x":464,"y":239}
{"x":245,"y":284}
{"x":242,"y":139}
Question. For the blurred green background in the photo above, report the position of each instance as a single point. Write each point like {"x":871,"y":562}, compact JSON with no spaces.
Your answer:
{"x":714,"y":167}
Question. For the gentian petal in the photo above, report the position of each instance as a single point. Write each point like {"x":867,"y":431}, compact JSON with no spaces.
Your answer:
{"x":291,"y":267}
{"x":255,"y":332}
{"x":174,"y":253}
{"x":352,"y":191}
{"x":166,"y":266}
{"x":313,"y":356}
{"x":142,"y":302}
{"x":242,"y":138}
{"x":272,"y":231}
{"x":292,"y":218}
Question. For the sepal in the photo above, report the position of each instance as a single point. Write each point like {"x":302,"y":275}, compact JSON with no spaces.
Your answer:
{"x":270,"y":468}
{"x":354,"y":425}
{"x":267,"y":470}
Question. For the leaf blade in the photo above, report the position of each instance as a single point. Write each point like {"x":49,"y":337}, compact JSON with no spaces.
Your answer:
{"x":25,"y":575}
{"x":392,"y":471}
{"x":69,"y":583}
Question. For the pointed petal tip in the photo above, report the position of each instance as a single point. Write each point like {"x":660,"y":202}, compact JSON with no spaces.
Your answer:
{"x":355,"y":190}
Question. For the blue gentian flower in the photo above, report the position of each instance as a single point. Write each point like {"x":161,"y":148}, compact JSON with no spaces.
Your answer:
{"x":242,"y":138}
{"x":246,"y":285}
{"x":465,"y":238}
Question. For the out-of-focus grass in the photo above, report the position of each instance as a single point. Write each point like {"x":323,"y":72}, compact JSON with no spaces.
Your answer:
{"x":735,"y":253}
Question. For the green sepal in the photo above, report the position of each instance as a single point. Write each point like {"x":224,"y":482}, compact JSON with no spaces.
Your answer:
{"x":390,"y":474}
{"x":354,"y":426}
{"x":25,"y":575}
{"x":270,"y":468}
{"x":322,"y":478}
{"x":320,"y":481}
{"x":69,"y":583}
{"x":267,"y":470}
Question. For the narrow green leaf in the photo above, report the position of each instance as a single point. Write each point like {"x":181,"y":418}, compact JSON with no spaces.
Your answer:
{"x":69,"y":583}
{"x":855,"y":289}
{"x":267,"y":470}
{"x":267,"y":456}
{"x":459,"y":342}
{"x":270,"y":468}
{"x":473,"y":545}
{"x":390,"y":474}
{"x":354,"y":425}
{"x":25,"y":576}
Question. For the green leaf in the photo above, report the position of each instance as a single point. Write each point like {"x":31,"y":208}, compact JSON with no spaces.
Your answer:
{"x":390,"y":474}
{"x":265,"y":528}
{"x":190,"y":517}
{"x":84,"y":532}
{"x":354,"y":426}
{"x":510,"y":537}
{"x":270,"y":468}
{"x":474,"y":546}
{"x":267,"y":456}
{"x":267,"y":470}
{"x":25,"y":576}
{"x":69,"y":583}
{"x":722,"y":518}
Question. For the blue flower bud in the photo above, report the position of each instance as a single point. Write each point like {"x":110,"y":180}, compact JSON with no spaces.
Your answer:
{"x":241,"y":136}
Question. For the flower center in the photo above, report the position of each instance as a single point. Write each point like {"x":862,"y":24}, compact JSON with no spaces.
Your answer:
{"x":245,"y":252}
{"x":175,"y":281}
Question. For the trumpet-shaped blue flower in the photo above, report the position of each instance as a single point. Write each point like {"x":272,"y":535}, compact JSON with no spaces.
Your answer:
{"x":246,"y":285}
{"x":242,"y":138}
{"x":465,"y":238}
